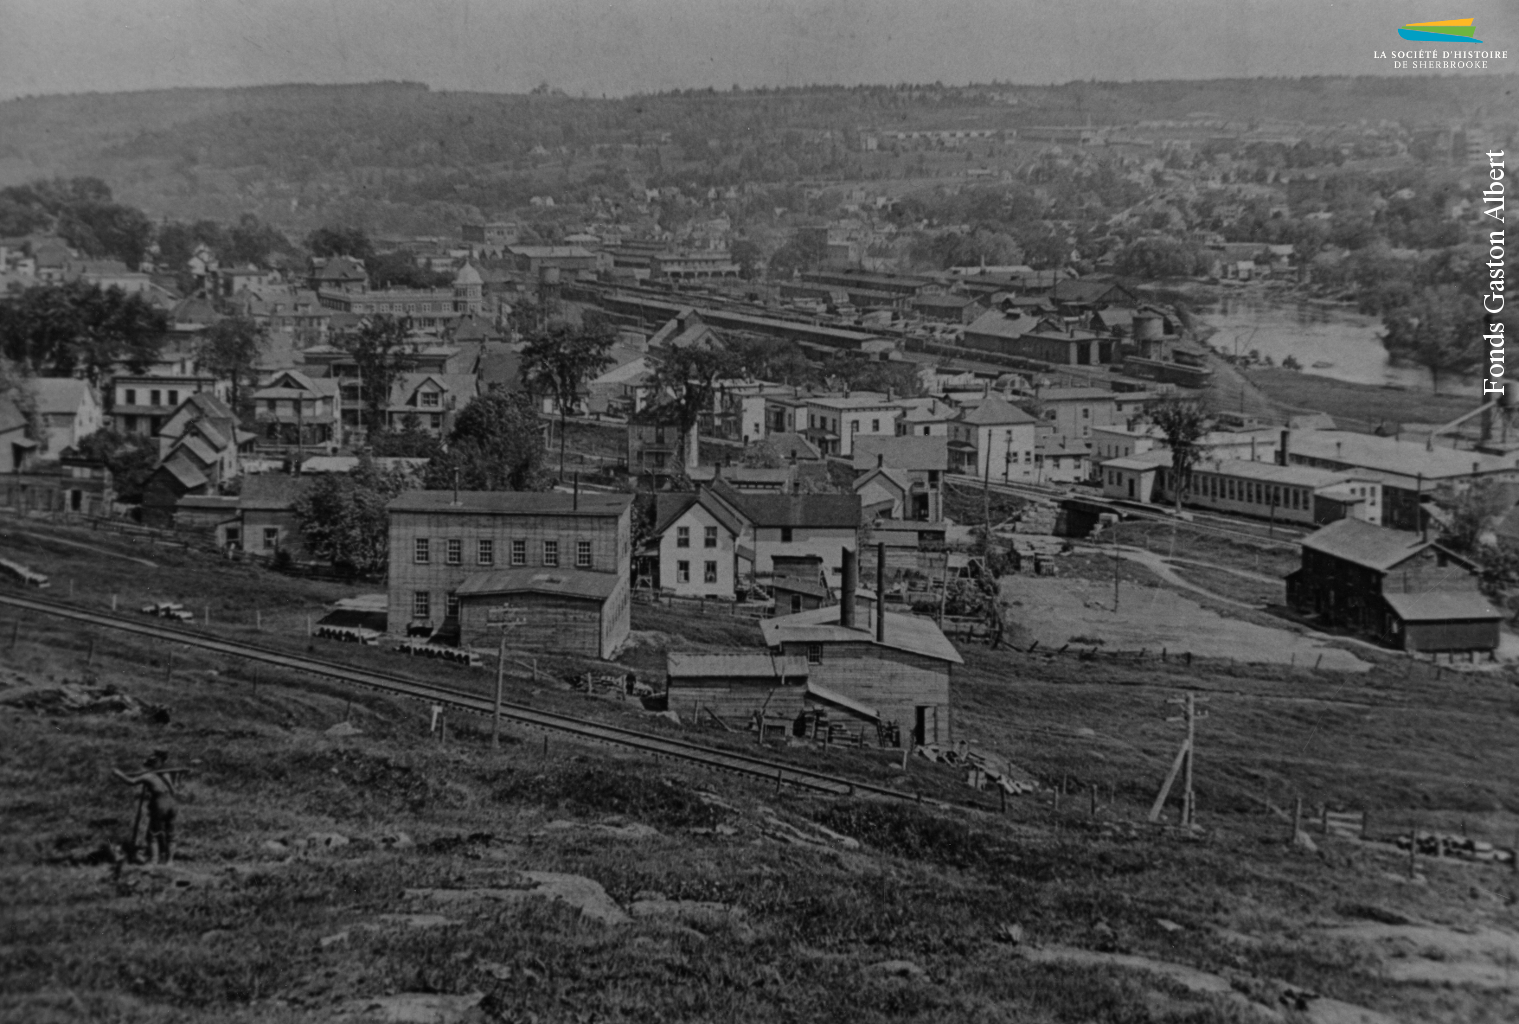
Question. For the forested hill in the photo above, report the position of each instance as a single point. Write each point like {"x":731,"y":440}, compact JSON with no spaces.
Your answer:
{"x":284,"y":151}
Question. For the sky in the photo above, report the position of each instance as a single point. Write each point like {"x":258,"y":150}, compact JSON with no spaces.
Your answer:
{"x":618,"y":47}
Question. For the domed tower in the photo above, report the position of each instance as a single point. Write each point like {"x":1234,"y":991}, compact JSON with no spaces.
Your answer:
{"x":469,"y":288}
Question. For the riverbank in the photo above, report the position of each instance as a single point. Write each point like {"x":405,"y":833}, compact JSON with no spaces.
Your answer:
{"x":1356,"y":406}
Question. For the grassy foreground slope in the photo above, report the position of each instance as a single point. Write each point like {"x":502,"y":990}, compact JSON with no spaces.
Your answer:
{"x":385,"y":876}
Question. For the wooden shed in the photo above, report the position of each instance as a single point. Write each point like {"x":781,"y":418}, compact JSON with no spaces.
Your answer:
{"x":1439,"y":623}
{"x":734,"y":686}
{"x":562,"y":610}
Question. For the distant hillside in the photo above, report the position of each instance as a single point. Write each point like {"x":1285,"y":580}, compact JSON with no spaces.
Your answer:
{"x":298,"y":153}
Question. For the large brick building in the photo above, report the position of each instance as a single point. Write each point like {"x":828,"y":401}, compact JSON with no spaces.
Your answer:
{"x":552,"y":569}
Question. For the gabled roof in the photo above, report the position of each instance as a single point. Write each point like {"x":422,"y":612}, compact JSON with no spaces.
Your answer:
{"x":999,"y":324}
{"x":820,"y":511}
{"x":1086,"y":290}
{"x":897,"y":477}
{"x":670,"y":507}
{"x":995,"y":411}
{"x":341,"y":268}
{"x":198,"y":448}
{"x":207,"y":404}
{"x":272,"y":492}
{"x":11,"y":416}
{"x":910,"y":452}
{"x":59,"y":396}
{"x":1440,"y":606}
{"x":189,"y":476}
{"x":821,"y":625}
{"x":1359,"y":542}
{"x":784,"y":443}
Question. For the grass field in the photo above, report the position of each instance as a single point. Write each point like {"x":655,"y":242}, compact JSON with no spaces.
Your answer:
{"x":737,"y":906}
{"x":1357,"y":406}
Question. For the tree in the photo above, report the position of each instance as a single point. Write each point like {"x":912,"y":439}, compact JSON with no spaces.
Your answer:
{"x":410,"y":442}
{"x":131,"y":458}
{"x":748,"y":257}
{"x":689,"y":377}
{"x":1440,"y":330}
{"x":340,"y":241}
{"x":61,"y":329}
{"x":805,"y":251}
{"x":558,"y":362}
{"x":342,"y":517}
{"x":398,"y":270}
{"x":230,"y":349}
{"x":380,"y":350}
{"x":1184,"y":423}
{"x":1159,"y":257}
{"x":494,"y":446}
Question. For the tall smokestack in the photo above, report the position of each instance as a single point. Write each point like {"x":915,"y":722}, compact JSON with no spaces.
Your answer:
{"x":880,"y":593}
{"x":847,"y":588}
{"x":1281,"y":459}
{"x":575,"y":502}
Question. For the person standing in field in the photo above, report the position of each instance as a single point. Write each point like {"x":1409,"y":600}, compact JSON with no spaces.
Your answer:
{"x":157,"y":794}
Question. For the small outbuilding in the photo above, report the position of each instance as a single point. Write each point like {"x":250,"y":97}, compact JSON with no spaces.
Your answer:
{"x":566,"y":610}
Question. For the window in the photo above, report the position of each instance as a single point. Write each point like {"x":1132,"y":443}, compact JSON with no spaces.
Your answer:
{"x":451,"y":606}
{"x":925,"y":431}
{"x":437,"y":421}
{"x":429,"y":398}
{"x":271,"y":538}
{"x":1086,"y":413}
{"x":709,"y":572}
{"x":875,"y":426}
{"x":174,"y":398}
{"x":454,"y":552}
{"x":582,"y":554}
{"x":710,"y":539}
{"x":683,"y":536}
{"x":785,"y":535}
{"x":551,"y":552}
{"x":814,"y":654}
{"x":487,"y":552}
{"x":420,"y":553}
{"x":519,"y":552}
{"x":854,"y":426}
{"x":421,"y":605}
{"x":156,"y":398}
{"x":131,"y":397}
{"x":796,"y":603}
{"x":272,"y":406}
{"x":682,"y":572}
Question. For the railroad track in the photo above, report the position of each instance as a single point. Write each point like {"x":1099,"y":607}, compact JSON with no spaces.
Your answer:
{"x":518,"y":714}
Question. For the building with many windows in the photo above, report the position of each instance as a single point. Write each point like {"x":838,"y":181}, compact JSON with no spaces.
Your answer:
{"x":552,"y":569}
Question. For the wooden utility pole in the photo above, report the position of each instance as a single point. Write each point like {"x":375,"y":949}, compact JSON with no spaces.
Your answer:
{"x":1183,"y":765}
{"x":1115,"y":566}
{"x":506,"y":623}
{"x":500,"y":679}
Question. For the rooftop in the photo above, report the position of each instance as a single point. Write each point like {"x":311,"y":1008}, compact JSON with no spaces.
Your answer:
{"x":913,"y":452}
{"x":512,"y":503}
{"x":679,"y":665}
{"x":566,"y":582}
{"x":1357,"y":541}
{"x":1438,"y":607}
{"x":1406,"y":458}
{"x":821,"y":626}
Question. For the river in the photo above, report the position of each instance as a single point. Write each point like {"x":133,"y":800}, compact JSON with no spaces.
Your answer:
{"x":1312,"y":332}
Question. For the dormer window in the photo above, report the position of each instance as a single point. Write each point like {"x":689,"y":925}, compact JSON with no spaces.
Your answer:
{"x":429,"y":398}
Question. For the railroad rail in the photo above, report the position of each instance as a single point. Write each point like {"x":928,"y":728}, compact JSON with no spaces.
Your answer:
{"x":520,"y":714}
